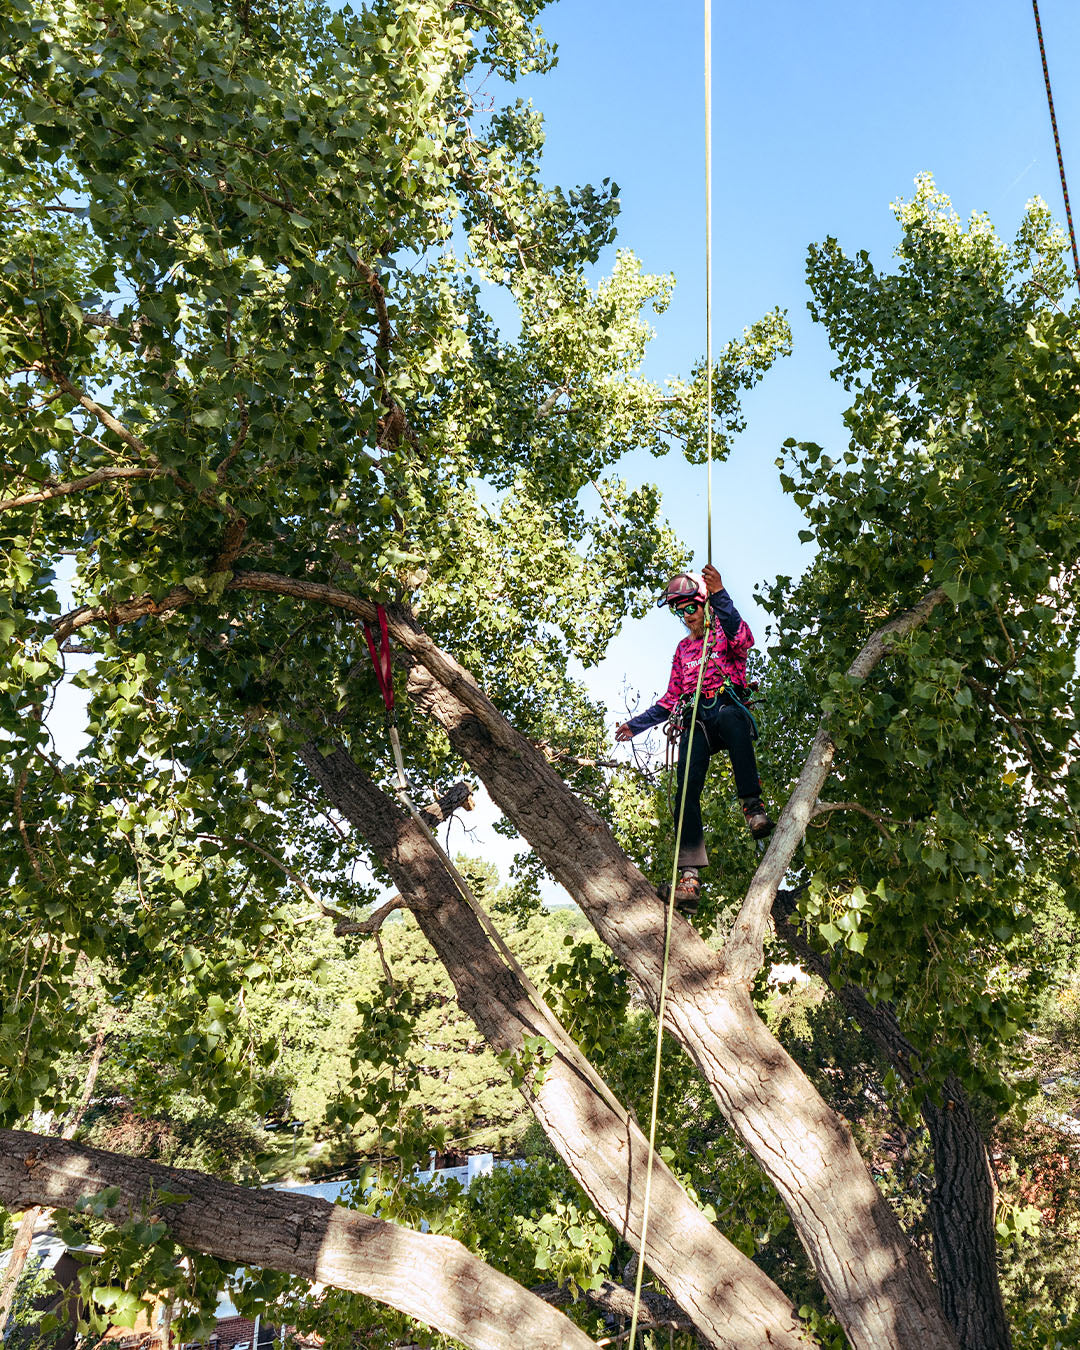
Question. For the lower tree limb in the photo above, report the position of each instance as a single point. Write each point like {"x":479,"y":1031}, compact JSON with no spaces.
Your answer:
{"x":24,"y":1235}
{"x":434,"y":1279}
{"x":877,"y":1283}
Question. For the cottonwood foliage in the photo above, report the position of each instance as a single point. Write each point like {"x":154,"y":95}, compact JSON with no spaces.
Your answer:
{"x":247,"y":356}
{"x":239,"y":247}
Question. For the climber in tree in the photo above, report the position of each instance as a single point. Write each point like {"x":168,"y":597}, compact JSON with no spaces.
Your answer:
{"x":723,"y":721}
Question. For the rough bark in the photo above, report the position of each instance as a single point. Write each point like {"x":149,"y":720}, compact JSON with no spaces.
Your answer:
{"x":433,"y":1279}
{"x":656,"y":1311}
{"x":24,"y":1234}
{"x":962,"y":1204}
{"x":730,"y":1301}
{"x":20,"y":1250}
{"x":876,"y":1282}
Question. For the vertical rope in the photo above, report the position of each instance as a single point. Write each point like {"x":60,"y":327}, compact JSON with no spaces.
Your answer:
{"x":1057,"y":141}
{"x":662,"y":1002}
{"x":708,"y":272}
{"x":689,"y":733}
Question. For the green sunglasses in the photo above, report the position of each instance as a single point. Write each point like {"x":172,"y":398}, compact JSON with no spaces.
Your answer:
{"x":687,"y":609}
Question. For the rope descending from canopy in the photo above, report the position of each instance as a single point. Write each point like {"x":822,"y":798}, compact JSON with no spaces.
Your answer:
{"x":708,"y":282}
{"x":1057,"y":141}
{"x":670,"y":909}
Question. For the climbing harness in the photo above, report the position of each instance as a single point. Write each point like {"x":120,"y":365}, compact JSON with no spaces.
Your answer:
{"x":676,"y":723}
{"x":1057,"y":140}
{"x":380,"y":657}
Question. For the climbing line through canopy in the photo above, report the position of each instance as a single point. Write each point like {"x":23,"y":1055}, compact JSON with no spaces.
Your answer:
{"x":1057,"y":140}
{"x":689,"y":733}
{"x":662,"y":1000}
{"x":708,"y":285}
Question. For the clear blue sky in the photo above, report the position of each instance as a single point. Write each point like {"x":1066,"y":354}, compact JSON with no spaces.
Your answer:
{"x":822,"y":115}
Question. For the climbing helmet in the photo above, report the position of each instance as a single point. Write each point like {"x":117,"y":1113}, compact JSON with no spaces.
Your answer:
{"x":683,"y":588}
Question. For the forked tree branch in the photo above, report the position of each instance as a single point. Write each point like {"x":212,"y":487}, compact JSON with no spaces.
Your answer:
{"x":403,"y":628}
{"x":827,"y":808}
{"x":346,"y":927}
{"x":801,"y":1145}
{"x":743,"y":952}
{"x":104,"y":475}
{"x":129,"y":437}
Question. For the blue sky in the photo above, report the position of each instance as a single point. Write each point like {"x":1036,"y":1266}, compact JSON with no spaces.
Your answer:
{"x":823,"y":114}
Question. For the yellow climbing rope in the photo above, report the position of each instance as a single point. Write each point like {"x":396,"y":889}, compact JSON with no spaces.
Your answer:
{"x":708,"y":279}
{"x":662,"y":1002}
{"x":664,"y":985}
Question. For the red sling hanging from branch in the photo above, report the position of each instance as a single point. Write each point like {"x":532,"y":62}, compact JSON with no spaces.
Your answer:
{"x":380,"y":658}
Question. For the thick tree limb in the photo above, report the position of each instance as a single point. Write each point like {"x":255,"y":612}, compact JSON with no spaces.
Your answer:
{"x":127,"y":611}
{"x":962,"y":1204}
{"x":743,"y":950}
{"x":730,"y":1300}
{"x":24,"y":1234}
{"x":433,"y":1279}
{"x":876,"y":1282}
{"x":403,"y":628}
{"x":51,"y":490}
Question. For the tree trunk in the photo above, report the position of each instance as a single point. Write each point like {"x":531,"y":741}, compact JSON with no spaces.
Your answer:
{"x":433,"y":1279}
{"x":24,"y":1235}
{"x":20,"y":1250}
{"x":962,"y":1205}
{"x":876,"y":1282}
{"x":728,"y":1298}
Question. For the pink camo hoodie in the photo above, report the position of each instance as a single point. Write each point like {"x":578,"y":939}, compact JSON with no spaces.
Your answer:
{"x":727,"y":661}
{"x":729,"y":640}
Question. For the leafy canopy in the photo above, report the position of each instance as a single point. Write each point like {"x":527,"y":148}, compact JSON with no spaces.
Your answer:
{"x":962,"y":472}
{"x":246,"y":254}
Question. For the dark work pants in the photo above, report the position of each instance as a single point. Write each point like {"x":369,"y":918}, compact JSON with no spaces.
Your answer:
{"x":724,"y":726}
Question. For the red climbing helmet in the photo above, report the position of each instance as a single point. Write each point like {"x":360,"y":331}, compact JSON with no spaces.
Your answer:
{"x":683,"y":587}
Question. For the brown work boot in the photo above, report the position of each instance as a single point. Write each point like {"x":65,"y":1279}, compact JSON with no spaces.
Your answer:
{"x":687,"y":893}
{"x":757,"y":818}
